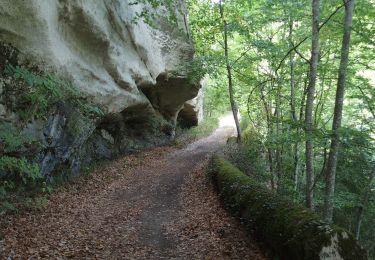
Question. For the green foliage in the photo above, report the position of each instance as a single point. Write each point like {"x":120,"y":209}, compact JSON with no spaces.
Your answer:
{"x":205,"y":128}
{"x":12,"y":141}
{"x":215,"y":98}
{"x":37,"y":203}
{"x":6,"y":206}
{"x":260,"y":35}
{"x":148,"y":13}
{"x":38,"y":95}
{"x":195,"y":70}
{"x":248,"y":156}
{"x":42,"y":92}
{"x":20,"y":175}
{"x":20,"y":169}
{"x":16,"y":167}
{"x":88,"y":109}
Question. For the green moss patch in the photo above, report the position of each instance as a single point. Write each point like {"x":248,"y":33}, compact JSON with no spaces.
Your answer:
{"x":289,"y":230}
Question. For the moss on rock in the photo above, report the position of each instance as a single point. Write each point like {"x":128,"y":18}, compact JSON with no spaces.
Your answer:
{"x":289,"y":230}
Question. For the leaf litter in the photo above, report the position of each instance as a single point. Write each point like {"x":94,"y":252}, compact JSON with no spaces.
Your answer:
{"x":157,"y":204}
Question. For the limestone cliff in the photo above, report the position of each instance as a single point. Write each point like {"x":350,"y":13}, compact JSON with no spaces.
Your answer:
{"x":132,"y":70}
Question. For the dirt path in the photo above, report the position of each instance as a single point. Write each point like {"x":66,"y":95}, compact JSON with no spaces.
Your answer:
{"x":154,"y":205}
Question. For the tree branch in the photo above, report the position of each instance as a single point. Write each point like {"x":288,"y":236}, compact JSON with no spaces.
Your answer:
{"x":307,"y":37}
{"x":372,"y":110}
{"x":241,"y":56}
{"x":303,"y":57}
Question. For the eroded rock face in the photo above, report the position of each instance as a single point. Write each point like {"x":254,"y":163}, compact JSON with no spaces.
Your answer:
{"x":132,"y":70}
{"x":97,"y":45}
{"x":192,"y":112}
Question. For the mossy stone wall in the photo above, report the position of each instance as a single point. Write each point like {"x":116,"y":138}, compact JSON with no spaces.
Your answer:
{"x":290,"y":231}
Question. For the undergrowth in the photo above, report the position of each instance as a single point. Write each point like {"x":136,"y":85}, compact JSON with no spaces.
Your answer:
{"x":205,"y":128}
{"x":37,"y":94}
{"x":18,"y":173}
{"x":32,"y":96}
{"x":249,"y":155}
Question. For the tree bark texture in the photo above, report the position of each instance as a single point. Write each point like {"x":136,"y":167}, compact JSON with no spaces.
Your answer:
{"x":337,"y":115}
{"x":229,"y":73}
{"x":310,"y":105}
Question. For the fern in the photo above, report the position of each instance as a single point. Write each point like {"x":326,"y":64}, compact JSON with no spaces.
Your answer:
{"x":44,"y":91}
{"x":11,"y":140}
{"x":20,"y":169}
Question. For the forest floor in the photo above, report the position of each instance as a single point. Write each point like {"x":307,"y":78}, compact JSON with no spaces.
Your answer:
{"x":157,"y":204}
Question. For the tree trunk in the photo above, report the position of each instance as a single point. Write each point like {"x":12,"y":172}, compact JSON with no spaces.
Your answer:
{"x":310,"y":105}
{"x":229,"y":73}
{"x":337,"y":115}
{"x":301,"y":116}
{"x":270,"y":161}
{"x":269,"y":133}
{"x":292,"y":78}
{"x":292,"y":104}
{"x":278,"y":155}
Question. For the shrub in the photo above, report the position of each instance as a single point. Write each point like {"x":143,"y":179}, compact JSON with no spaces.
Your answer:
{"x":205,"y":128}
{"x":248,"y":156}
{"x":41,"y":92}
{"x":36,"y":96}
{"x":19,"y":169}
{"x":20,"y":174}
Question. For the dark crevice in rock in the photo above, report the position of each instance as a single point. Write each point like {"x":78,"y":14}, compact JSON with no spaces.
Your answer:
{"x":188,"y":117}
{"x":8,"y":55}
{"x":169,"y":95}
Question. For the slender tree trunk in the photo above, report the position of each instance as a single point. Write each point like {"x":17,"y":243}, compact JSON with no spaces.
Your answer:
{"x":300,"y":116}
{"x":337,"y":115}
{"x":229,"y":73}
{"x":292,"y":79}
{"x":325,"y":154}
{"x":303,"y":99}
{"x":295,"y":166}
{"x":269,"y":133}
{"x":292,"y":104}
{"x":310,"y":105}
{"x":278,"y":155}
{"x":270,"y":161}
